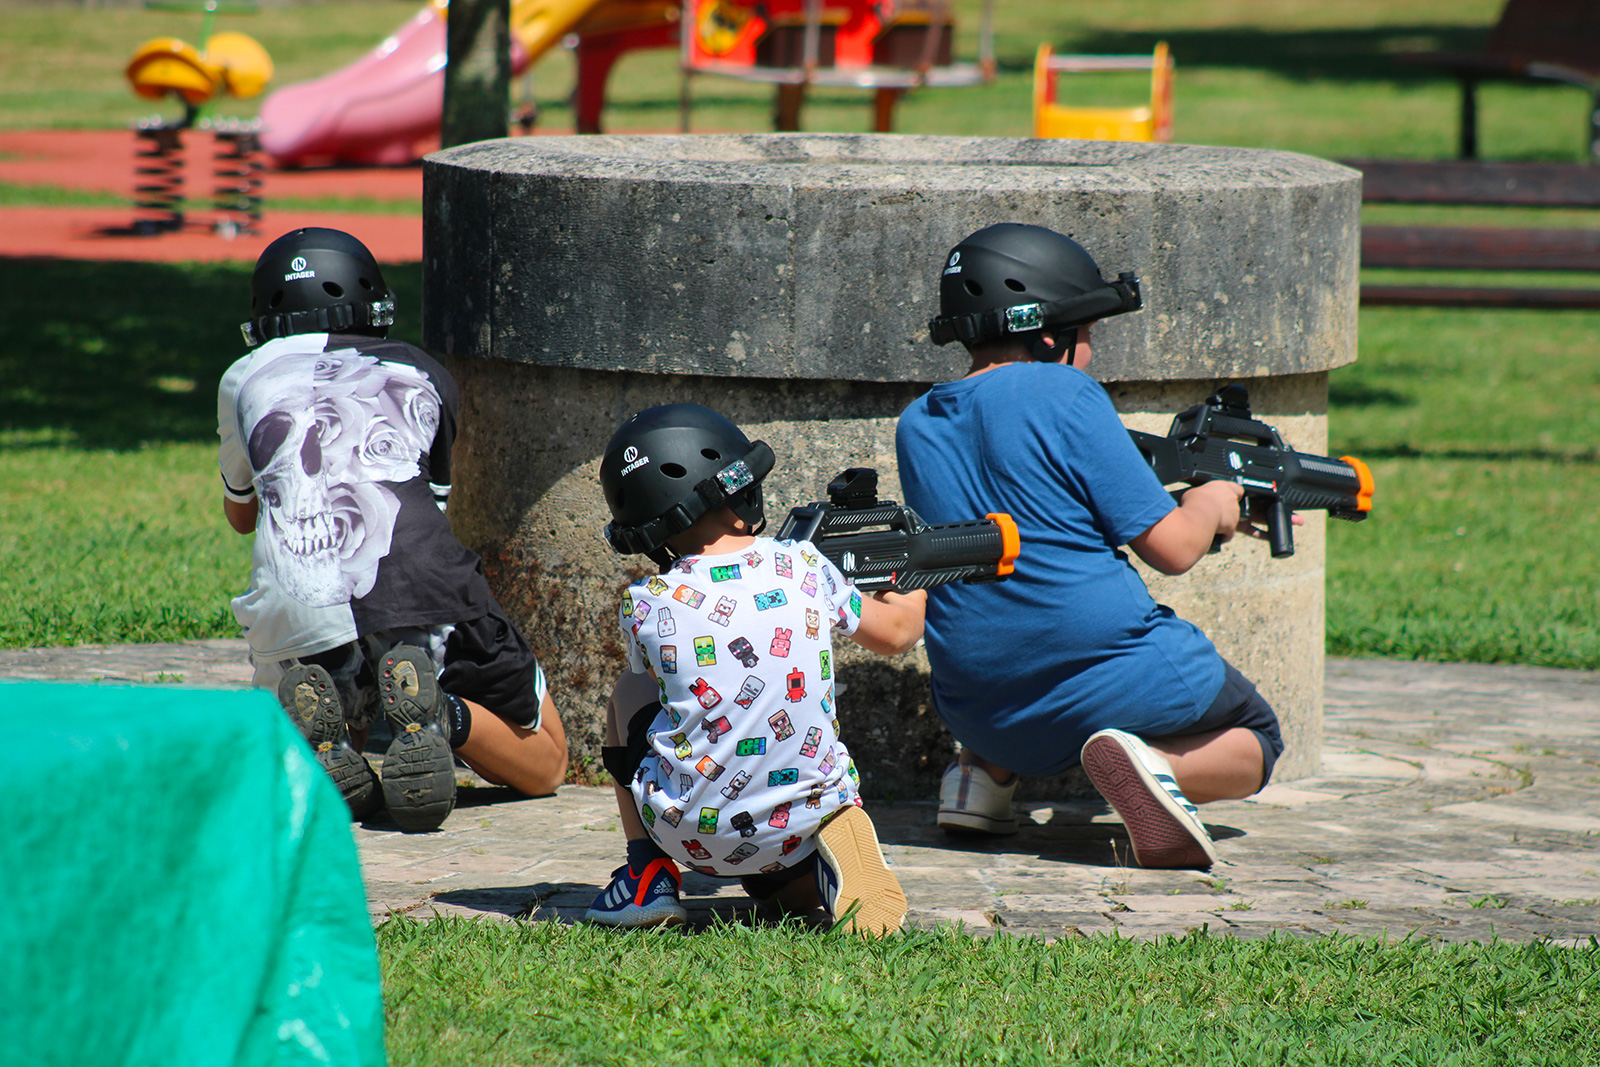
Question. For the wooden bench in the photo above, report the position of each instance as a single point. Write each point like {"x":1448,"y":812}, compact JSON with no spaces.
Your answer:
{"x":1479,"y":247}
{"x":1535,"y":40}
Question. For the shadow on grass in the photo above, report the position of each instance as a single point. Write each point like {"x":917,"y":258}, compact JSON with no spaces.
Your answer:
{"x":1347,"y":394}
{"x":116,"y":355}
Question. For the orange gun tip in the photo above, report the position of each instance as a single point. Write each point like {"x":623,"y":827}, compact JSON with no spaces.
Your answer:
{"x":1368,"y":486}
{"x":1010,"y":541}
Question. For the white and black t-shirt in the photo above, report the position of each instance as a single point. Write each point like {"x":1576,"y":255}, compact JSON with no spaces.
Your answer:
{"x":345,"y":441}
{"x":745,"y":757}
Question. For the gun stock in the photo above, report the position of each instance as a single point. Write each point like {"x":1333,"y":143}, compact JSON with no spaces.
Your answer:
{"x":882,"y":545}
{"x":1220,"y":440}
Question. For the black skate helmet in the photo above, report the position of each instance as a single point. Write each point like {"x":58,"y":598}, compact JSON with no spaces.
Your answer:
{"x":669,"y":465}
{"x":1017,"y":280}
{"x":316,"y":280}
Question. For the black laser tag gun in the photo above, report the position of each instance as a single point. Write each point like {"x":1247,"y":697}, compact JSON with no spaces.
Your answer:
{"x":1219,"y":440}
{"x":881,"y":545}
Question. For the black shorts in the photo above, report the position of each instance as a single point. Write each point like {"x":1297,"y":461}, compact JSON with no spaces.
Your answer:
{"x":1239,"y":704}
{"x":488,"y":662}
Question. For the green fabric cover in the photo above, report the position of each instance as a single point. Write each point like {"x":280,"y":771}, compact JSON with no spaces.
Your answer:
{"x":181,"y":885}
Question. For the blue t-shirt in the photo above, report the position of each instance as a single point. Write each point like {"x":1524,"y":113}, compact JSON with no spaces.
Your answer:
{"x":1025,"y":669}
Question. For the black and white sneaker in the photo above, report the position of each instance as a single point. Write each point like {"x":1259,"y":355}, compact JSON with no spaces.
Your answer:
{"x":308,"y":694}
{"x":1137,"y":781}
{"x":419,"y":778}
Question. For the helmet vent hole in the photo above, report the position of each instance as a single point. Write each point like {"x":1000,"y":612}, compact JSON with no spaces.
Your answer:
{"x":712,"y":454}
{"x":332,"y":290}
{"x":1015,"y":286}
{"x":973,"y":287}
{"x":277,"y":298}
{"x":673,"y":470}
{"x":365,"y":284}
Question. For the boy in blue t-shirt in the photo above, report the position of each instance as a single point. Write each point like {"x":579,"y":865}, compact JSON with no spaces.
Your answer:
{"x":1110,"y":679}
{"x":724,"y":735}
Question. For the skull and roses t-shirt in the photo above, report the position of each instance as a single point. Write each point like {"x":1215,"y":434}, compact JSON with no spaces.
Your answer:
{"x":345,"y":443}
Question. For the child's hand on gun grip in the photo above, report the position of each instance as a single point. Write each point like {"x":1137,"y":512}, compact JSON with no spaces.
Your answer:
{"x":1223,"y":498}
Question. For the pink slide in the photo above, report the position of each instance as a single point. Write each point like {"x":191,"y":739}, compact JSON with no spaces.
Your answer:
{"x":384,"y":109}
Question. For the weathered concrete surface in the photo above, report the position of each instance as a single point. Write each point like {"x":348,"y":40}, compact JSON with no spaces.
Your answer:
{"x":787,"y":281}
{"x":812,"y":256}
{"x":1456,"y":803}
{"x":530,"y":503}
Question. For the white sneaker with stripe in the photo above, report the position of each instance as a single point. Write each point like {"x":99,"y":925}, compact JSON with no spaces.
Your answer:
{"x":1137,"y":781}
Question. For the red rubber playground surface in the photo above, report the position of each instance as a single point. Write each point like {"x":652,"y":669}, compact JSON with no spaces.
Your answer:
{"x":103,"y":161}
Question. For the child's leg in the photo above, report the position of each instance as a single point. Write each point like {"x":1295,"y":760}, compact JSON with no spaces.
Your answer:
{"x":508,"y":730}
{"x":1229,"y":752}
{"x":644,"y":890}
{"x":632,"y":692}
{"x":1001,"y":775}
{"x":532,"y":762}
{"x":1221,"y":765}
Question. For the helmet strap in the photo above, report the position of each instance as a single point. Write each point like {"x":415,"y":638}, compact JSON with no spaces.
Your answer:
{"x":1066,"y":344}
{"x":746,"y":505}
{"x":376,"y":316}
{"x":749,"y":506}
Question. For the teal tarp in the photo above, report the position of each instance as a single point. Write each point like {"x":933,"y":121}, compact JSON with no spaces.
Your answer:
{"x":180,"y":885}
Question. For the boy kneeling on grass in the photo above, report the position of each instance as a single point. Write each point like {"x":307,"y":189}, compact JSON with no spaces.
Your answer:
{"x":724,"y":737}
{"x":335,"y":454}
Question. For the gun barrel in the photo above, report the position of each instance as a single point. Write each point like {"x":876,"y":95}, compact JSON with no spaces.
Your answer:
{"x":981,"y":549}
{"x":1339,"y":486}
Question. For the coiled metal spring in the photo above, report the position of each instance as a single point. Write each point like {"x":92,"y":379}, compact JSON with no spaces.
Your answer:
{"x":158,"y":177}
{"x":238,"y":173}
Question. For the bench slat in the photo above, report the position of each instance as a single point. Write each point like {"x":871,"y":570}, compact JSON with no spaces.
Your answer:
{"x":1525,"y":184}
{"x":1480,"y":297}
{"x":1479,"y":248}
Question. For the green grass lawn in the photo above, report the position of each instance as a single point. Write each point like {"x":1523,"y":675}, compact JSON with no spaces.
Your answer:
{"x":461,"y":992}
{"x":1286,"y":74}
{"x":111,"y":525}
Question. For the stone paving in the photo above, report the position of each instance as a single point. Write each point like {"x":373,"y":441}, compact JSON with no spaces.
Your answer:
{"x":1455,"y":803}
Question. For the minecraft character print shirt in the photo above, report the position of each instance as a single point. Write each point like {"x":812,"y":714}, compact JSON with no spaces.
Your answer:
{"x":745,"y":759}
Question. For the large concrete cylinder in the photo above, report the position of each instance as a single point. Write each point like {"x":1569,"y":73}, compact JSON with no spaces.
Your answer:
{"x":787,"y":280}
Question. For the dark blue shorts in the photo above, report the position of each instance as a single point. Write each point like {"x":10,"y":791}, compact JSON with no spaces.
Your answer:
{"x":1239,"y":704}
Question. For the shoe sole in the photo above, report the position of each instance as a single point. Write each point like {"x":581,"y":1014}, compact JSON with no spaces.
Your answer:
{"x":642,"y":919}
{"x":849,"y":844}
{"x":419,"y":778}
{"x":1158,"y":828}
{"x":310,"y":697}
{"x":971,"y":824}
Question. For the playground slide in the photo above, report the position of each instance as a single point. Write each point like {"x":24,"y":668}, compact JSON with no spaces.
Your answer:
{"x":384,"y":109}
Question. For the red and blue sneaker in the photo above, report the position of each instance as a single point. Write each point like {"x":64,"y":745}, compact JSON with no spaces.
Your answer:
{"x":649,"y":898}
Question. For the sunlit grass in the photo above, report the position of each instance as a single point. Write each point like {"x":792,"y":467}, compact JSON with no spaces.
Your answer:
{"x":480,"y":993}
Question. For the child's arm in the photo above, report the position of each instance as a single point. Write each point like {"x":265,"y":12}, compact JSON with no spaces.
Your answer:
{"x":891,"y":623}
{"x":1178,"y":541}
{"x":241,"y":515}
